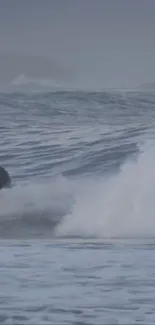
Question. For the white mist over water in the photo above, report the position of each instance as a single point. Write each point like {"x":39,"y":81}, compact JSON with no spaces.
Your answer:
{"x":35,"y":203}
{"x":96,"y":43}
{"x":123,"y":205}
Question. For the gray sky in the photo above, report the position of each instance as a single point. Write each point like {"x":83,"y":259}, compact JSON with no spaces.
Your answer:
{"x":104,"y":41}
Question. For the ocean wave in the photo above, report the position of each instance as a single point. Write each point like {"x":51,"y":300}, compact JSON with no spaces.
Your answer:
{"x":119,"y":205}
{"x":77,"y":164}
{"x":36,"y":83}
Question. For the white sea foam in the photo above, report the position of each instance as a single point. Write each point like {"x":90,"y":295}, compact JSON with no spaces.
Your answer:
{"x":123,"y":205}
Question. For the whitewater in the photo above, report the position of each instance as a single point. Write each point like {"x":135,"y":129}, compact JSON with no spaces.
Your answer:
{"x":77,"y":228}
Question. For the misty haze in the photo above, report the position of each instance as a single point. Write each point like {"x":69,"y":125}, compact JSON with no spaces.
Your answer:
{"x":77,"y":43}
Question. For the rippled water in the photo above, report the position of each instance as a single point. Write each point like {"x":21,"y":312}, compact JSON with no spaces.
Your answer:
{"x":77,"y":227}
{"x":76,"y":283}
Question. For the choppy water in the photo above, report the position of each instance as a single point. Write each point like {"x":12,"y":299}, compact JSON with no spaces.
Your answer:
{"x":77,"y":228}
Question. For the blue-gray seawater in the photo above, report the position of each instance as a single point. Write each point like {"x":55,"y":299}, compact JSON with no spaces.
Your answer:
{"x":77,"y":228}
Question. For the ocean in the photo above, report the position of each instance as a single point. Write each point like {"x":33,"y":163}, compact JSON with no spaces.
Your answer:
{"x":77,"y":228}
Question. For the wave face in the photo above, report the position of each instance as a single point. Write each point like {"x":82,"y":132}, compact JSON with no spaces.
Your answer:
{"x":82,"y":164}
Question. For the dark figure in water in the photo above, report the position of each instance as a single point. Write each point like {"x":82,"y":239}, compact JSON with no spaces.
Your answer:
{"x":5,"y":180}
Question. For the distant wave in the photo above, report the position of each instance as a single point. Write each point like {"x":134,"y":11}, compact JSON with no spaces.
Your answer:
{"x":22,"y":80}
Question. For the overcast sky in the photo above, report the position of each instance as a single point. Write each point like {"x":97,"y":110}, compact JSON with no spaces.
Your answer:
{"x":108,"y":41}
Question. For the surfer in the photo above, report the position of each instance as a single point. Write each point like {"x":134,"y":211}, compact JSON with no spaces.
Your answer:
{"x":5,"y":180}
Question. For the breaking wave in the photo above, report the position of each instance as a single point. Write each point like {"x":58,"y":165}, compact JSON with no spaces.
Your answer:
{"x":115,"y":206}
